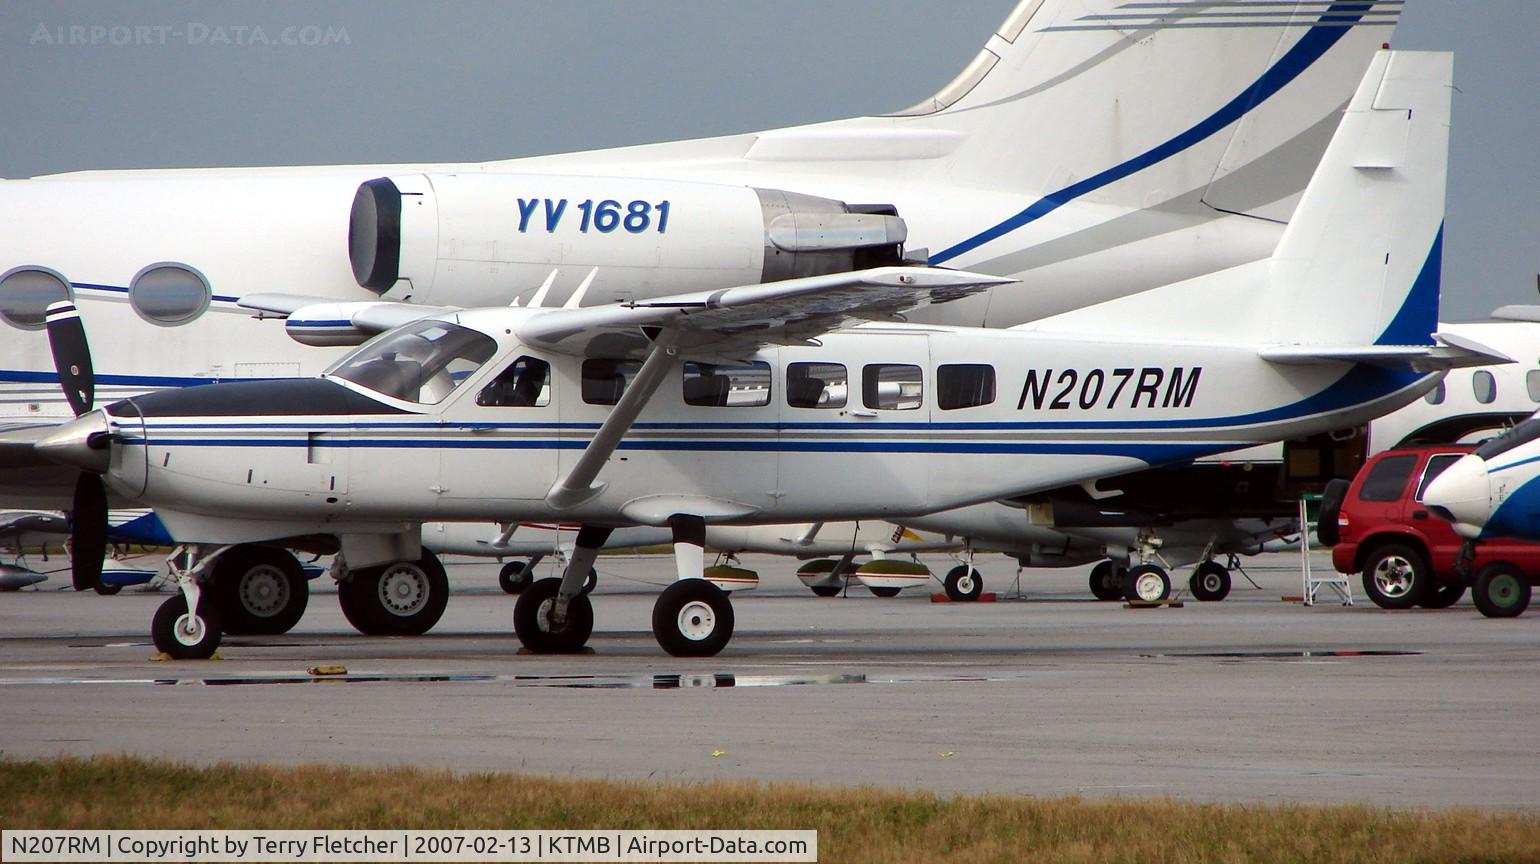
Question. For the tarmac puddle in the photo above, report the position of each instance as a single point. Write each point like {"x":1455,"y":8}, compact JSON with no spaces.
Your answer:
{"x":647,"y":681}
{"x":1287,"y":655}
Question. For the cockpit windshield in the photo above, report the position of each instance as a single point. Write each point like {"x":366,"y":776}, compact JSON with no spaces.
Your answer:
{"x":421,"y":362}
{"x":1523,"y":433}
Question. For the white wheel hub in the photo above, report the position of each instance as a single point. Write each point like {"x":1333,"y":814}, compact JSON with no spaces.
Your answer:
{"x":403,"y":590}
{"x":965,"y":583}
{"x":264,"y":591}
{"x":189,"y":630}
{"x":697,"y":620}
{"x":1149,"y":586}
{"x":1393,"y":576}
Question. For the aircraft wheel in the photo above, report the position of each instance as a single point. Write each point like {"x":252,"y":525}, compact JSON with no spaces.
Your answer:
{"x":826,"y":590}
{"x":1501,"y":591}
{"x":514,"y":577}
{"x":1395,"y":576}
{"x":1210,"y":581}
{"x":1106,"y":581}
{"x":104,"y":589}
{"x":532,"y":619}
{"x":885,"y":592}
{"x":260,"y":591}
{"x":1441,"y":595}
{"x":963,"y":583}
{"x":405,"y":598}
{"x":182,"y":636}
{"x":692,"y":618}
{"x":1147,"y":583}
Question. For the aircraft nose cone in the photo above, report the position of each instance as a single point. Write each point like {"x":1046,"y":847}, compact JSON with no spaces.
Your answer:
{"x":1462,"y":494}
{"x":80,"y":443}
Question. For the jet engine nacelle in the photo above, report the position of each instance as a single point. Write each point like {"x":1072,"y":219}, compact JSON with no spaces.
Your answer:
{"x":480,"y":239}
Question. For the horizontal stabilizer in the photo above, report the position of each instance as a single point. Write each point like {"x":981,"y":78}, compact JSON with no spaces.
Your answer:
{"x":1450,"y":352}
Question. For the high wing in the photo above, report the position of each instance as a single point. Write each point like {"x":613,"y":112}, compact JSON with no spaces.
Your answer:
{"x":776,"y":313}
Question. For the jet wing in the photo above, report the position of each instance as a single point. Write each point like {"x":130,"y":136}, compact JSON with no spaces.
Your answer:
{"x":730,"y":320}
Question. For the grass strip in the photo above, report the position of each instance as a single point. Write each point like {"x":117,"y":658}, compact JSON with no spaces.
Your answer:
{"x":854,"y":825}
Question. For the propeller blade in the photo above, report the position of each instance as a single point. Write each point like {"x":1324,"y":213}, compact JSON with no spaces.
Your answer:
{"x":71,"y":355}
{"x":88,"y":531}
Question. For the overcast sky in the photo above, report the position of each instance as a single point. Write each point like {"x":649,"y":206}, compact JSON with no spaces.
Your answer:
{"x":337,"y":82}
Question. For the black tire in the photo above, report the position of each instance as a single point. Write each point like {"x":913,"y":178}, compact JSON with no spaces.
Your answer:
{"x":533,"y":626}
{"x":261,"y":591}
{"x":1210,"y":582}
{"x":964,"y":584}
{"x":405,"y":598}
{"x":692,"y":618}
{"x":106,"y":590}
{"x":515,"y":577}
{"x":885,"y":592}
{"x":1441,"y":595}
{"x":1501,"y":590}
{"x":826,"y":590}
{"x":1146,"y":583}
{"x":1395,"y":576}
{"x":200,"y":645}
{"x":1332,"y":496}
{"x":1106,"y":581}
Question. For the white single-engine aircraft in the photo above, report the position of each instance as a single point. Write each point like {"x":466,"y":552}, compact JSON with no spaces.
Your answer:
{"x":620,"y":414}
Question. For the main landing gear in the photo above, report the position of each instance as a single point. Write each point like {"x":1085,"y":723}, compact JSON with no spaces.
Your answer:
{"x":691,"y":618}
{"x":403,"y":598}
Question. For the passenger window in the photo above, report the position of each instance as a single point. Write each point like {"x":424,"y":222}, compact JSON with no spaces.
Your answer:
{"x":1436,"y":395}
{"x":524,"y":384}
{"x":722,"y":385}
{"x":964,"y":385}
{"x":604,"y":381}
{"x":1387,"y":479}
{"x":1436,"y":466}
{"x":1485,"y":387}
{"x":816,"y":385}
{"x":1532,"y":384}
{"x":892,"y":386}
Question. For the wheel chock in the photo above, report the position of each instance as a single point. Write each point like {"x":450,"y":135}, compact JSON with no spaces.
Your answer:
{"x":327,"y":671}
{"x":986,"y":597}
{"x":1151,"y":604}
{"x":1293,"y":598}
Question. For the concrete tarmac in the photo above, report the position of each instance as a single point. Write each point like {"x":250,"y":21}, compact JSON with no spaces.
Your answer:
{"x":1251,"y":699}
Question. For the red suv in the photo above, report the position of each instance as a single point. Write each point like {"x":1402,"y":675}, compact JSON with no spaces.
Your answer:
{"x":1408,"y":556}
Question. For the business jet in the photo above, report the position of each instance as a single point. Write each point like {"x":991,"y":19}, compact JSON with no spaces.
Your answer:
{"x":483,"y":398}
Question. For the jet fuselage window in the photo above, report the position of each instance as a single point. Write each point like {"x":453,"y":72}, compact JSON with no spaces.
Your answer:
{"x":1532,"y":384}
{"x":1485,"y":387}
{"x":892,"y":386}
{"x":25,"y":293}
{"x":816,"y":385}
{"x":524,"y":384}
{"x":605,"y":380}
{"x":169,"y":294}
{"x":1436,"y":395}
{"x":964,"y":385}
{"x":724,"y":385}
{"x":421,"y":362}
{"x":1388,"y":478}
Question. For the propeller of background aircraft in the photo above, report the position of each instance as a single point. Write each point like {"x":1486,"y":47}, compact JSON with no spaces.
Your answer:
{"x":88,"y":511}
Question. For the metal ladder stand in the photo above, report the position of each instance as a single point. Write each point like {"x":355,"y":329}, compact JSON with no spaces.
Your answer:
{"x":1337,"y":582}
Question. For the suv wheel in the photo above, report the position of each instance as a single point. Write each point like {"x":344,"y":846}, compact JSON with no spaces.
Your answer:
{"x":1395,"y":576}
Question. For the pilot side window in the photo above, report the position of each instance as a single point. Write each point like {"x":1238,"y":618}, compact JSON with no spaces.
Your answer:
{"x":816,"y":385}
{"x":892,"y":386}
{"x":722,"y":385}
{"x":605,"y":380}
{"x":964,"y":385}
{"x":526,"y":383}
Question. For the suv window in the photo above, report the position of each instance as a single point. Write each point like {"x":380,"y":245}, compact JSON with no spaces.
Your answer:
{"x":1387,"y":478}
{"x":1436,"y":466}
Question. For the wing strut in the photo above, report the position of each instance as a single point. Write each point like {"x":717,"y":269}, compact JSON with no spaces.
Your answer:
{"x":578,"y":486}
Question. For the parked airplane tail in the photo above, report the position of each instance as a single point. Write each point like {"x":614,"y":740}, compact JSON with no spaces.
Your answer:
{"x":1185,"y":105}
{"x":1356,"y":275}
